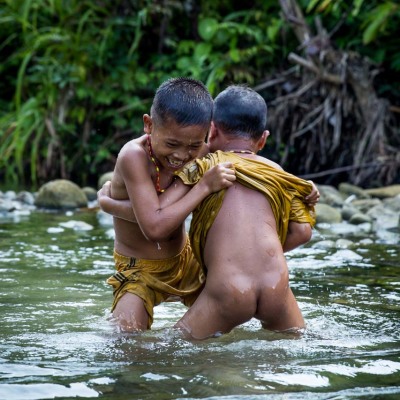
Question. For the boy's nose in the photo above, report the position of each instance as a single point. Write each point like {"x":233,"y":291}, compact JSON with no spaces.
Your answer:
{"x":181,"y":155}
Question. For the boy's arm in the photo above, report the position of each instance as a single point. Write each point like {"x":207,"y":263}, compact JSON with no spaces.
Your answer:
{"x":123,"y":208}
{"x":158,"y":219}
{"x":117,"y":208}
{"x":298,"y":233}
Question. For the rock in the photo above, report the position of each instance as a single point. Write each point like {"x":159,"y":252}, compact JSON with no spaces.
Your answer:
{"x":393,"y":203}
{"x":104,"y":178}
{"x":26,"y":198}
{"x":344,"y":243}
{"x":10,"y":195}
{"x":330,"y":196}
{"x":6,"y":205}
{"x":365,"y":205}
{"x":366,"y":242}
{"x":359,"y":218}
{"x":348,"y":211}
{"x":91,"y":193}
{"x":77,"y":225}
{"x":345,"y":255}
{"x":324,"y":244}
{"x":384,"y":217}
{"x":348,"y":189}
{"x":327,"y":214}
{"x":61,"y":194}
{"x":384,"y":192}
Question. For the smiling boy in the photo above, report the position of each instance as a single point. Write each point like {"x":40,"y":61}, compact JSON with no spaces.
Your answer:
{"x":150,"y":266}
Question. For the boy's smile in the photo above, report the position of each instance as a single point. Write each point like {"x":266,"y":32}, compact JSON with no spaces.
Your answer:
{"x":174,"y":145}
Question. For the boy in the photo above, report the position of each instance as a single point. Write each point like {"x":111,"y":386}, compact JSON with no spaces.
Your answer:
{"x":152,"y":267}
{"x":238,"y":233}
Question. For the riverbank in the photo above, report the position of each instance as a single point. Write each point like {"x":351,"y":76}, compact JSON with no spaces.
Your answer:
{"x":345,"y":212}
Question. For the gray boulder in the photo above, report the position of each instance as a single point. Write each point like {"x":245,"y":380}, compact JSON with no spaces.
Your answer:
{"x":384,"y":192}
{"x":348,"y":189}
{"x":61,"y":194}
{"x":91,"y":193}
{"x":330,"y":195}
{"x":358,"y":218}
{"x":327,"y":214}
{"x":103,"y":179}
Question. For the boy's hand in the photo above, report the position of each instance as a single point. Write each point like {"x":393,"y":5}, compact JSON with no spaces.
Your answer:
{"x":313,"y":198}
{"x":105,"y":191}
{"x":219,"y":177}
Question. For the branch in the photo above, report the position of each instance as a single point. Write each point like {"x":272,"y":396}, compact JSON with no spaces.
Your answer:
{"x":324,"y":76}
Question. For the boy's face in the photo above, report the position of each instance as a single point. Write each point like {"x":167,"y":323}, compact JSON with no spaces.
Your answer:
{"x":174,"y":145}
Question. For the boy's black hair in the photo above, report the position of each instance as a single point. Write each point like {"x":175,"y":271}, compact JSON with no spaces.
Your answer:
{"x":186,"y":101}
{"x":240,"y":111}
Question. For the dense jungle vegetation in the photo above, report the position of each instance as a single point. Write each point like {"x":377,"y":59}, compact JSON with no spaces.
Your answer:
{"x":77,"y":76}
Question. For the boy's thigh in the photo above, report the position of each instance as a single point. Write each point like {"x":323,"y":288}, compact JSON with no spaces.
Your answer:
{"x":130,"y":313}
{"x":209,"y":317}
{"x":279,"y":312}
{"x":137,"y":300}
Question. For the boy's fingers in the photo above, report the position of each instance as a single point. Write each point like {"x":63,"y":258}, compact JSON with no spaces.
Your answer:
{"x":227,"y":164}
{"x":106,"y":189}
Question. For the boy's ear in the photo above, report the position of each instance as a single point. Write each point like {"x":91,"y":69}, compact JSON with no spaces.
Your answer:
{"x":147,"y":124}
{"x":213,"y":131}
{"x":262,"y":140}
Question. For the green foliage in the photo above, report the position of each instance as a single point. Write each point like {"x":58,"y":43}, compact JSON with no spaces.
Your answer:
{"x":77,"y":75}
{"x":72,"y":66}
{"x":236,"y":48}
{"x":369,"y":27}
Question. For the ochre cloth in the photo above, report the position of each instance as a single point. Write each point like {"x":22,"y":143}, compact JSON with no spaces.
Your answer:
{"x":154,"y":281}
{"x":285,"y":193}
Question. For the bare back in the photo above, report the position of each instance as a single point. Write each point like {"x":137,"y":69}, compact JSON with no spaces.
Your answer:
{"x":247,"y":273}
{"x":243,"y":251}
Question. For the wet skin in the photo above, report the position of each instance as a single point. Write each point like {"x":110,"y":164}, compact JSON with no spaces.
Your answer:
{"x":172,"y":146}
{"x":247,"y":272}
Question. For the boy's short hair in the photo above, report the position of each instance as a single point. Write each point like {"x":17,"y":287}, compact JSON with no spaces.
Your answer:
{"x":239,"y":110}
{"x":186,"y":101}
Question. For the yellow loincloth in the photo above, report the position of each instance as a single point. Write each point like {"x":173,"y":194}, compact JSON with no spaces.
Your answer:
{"x":285,"y":193}
{"x":154,"y":281}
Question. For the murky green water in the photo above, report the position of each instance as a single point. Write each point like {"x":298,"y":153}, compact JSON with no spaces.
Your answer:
{"x":56,"y":340}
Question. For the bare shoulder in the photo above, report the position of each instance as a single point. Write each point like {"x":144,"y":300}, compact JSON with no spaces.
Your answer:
{"x":271,"y":163}
{"x":132,"y":151}
{"x":131,"y":160}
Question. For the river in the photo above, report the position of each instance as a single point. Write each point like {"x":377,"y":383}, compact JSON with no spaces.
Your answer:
{"x":57,"y":341}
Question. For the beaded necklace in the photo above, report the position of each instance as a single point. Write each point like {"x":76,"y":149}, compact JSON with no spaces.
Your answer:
{"x":242,"y":151}
{"x":153,"y":159}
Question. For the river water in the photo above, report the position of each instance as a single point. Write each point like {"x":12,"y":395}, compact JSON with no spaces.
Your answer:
{"x":57,"y":341}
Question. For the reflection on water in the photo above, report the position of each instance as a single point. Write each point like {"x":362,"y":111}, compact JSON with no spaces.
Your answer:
{"x":56,"y":339}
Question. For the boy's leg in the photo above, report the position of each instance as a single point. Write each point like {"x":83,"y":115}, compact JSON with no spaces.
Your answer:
{"x":283,"y":315}
{"x":201,"y":320}
{"x":211,"y":316}
{"x":130,"y":313}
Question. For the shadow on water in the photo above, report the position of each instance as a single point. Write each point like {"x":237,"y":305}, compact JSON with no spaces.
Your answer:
{"x":57,"y":341}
